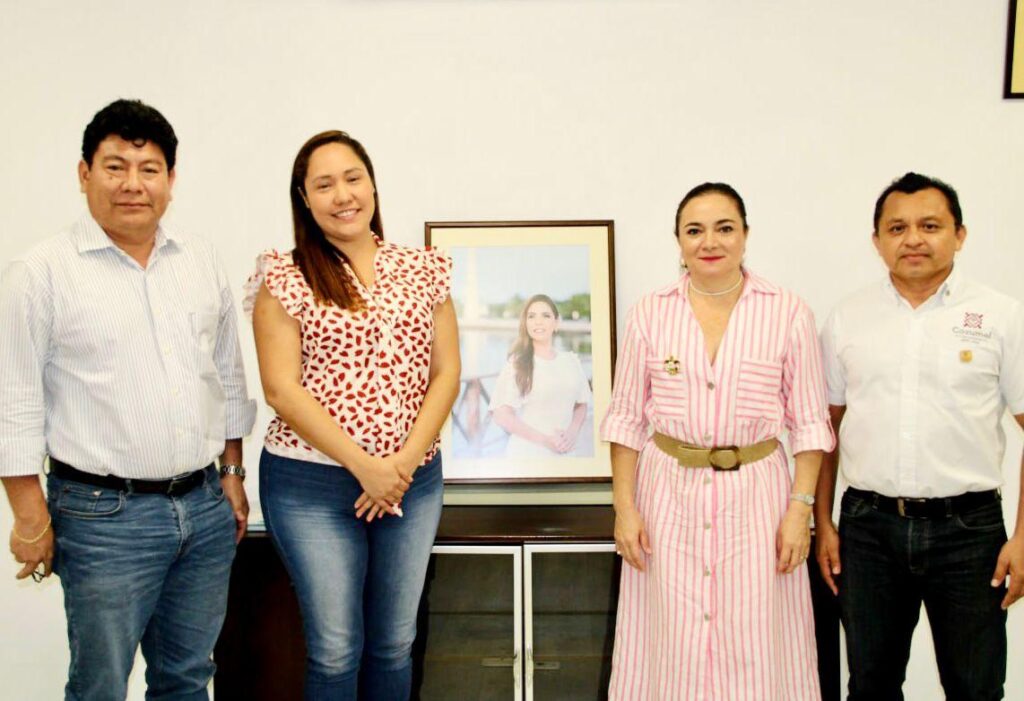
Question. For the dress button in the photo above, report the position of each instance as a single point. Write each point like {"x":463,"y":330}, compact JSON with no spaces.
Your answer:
{"x":707,"y":480}
{"x":707,"y":525}
{"x":707,"y":437}
{"x":707,"y":571}
{"x":707,"y":616}
{"x":711,"y":385}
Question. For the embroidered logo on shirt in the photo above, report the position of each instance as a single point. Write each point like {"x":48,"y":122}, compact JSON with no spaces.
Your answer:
{"x":672,"y":365}
{"x":972,"y":320}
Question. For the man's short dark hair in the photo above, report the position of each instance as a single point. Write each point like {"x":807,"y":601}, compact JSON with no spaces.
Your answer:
{"x":132,"y":120}
{"x":910,"y":183}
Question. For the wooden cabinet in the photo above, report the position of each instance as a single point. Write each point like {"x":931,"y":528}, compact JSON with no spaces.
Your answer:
{"x":519,"y":603}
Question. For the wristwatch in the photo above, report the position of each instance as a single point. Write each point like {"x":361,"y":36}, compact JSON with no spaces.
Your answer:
{"x":232,"y":470}
{"x":795,"y":496}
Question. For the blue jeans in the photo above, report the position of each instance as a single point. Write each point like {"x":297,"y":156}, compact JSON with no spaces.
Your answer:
{"x":891,"y":565}
{"x":141,"y":568}
{"x":358,"y":584}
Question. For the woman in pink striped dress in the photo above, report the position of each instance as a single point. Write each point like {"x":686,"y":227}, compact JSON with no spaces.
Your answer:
{"x":714,"y":601}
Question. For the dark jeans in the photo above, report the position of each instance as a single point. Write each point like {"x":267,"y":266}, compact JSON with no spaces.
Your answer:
{"x":358,"y":584}
{"x":891,"y":565}
{"x":826,"y":632}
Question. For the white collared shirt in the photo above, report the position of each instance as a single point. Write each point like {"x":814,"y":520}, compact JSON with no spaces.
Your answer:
{"x":115,"y":368}
{"x":925,"y":389}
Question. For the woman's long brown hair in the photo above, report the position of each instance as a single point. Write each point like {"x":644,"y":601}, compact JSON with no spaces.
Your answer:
{"x":317,"y":259}
{"x":521,"y":354}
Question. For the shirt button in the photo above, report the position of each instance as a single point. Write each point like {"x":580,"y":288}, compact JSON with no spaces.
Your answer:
{"x":707,"y":480}
{"x":707,"y":616}
{"x":167,"y":350}
{"x":707,"y":525}
{"x":707,"y":571}
{"x":707,"y":437}
{"x":175,"y":392}
{"x":181,"y":432}
{"x":711,"y":385}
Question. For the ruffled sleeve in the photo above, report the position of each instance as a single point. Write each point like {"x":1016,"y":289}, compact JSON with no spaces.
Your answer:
{"x":440,"y":266}
{"x":284,"y":280}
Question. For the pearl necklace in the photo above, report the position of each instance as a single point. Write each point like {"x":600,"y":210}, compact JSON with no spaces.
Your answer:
{"x":716,"y":294}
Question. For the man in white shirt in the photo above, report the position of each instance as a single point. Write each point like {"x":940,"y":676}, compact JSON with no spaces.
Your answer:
{"x":120,"y":361}
{"x":921,"y":369}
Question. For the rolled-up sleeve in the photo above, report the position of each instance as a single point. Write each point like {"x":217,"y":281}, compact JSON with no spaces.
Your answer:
{"x":626,"y":421}
{"x":239,"y":409}
{"x":26,"y":317}
{"x":803,"y":387}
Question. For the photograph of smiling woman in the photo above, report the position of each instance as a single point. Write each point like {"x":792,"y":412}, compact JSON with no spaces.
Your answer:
{"x":542,"y":394}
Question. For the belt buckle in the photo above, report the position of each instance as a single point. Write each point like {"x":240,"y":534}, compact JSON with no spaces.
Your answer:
{"x":725,"y":458}
{"x":901,"y":505}
{"x":179,"y":486}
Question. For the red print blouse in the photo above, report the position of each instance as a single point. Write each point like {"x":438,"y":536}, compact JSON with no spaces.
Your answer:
{"x":369,"y":368}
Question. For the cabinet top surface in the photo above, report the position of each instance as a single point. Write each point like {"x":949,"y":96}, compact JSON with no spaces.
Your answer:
{"x":517,"y":524}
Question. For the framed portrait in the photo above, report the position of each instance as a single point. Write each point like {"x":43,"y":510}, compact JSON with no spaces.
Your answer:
{"x":1014,"y":86}
{"x":535,"y":302}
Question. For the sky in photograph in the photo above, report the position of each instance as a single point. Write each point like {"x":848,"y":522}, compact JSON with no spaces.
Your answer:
{"x":503,"y":271}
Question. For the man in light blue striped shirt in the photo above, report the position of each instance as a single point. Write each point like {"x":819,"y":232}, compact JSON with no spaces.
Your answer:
{"x":120,"y":361}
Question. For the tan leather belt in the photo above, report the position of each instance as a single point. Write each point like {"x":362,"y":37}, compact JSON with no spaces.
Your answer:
{"x":728,"y":457}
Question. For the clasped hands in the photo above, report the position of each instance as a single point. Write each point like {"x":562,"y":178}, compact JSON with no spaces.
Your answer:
{"x":384,"y":482}
{"x":560,"y":441}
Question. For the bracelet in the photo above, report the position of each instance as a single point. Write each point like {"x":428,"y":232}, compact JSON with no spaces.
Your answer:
{"x":802,"y":498}
{"x":30,"y":541}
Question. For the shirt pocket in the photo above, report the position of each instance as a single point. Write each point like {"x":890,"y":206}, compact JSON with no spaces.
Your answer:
{"x":205,"y":326}
{"x":669,"y":392}
{"x":968,"y":377}
{"x":758,"y":391}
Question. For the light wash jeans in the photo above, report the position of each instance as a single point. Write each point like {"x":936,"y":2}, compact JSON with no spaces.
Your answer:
{"x":358,"y":584}
{"x":141,"y":568}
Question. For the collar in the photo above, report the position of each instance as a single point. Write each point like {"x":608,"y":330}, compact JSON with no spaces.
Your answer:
{"x":88,"y":235}
{"x":948,"y":292}
{"x":755,"y":284}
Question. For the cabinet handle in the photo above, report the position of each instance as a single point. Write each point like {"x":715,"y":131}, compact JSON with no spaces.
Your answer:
{"x":517,"y":679}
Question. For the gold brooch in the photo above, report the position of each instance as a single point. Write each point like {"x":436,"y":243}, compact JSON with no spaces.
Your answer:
{"x":966,"y":356}
{"x":672,"y":365}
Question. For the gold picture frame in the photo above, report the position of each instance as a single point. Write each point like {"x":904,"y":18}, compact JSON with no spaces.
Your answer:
{"x":500,"y":268}
{"x":1013,"y":88}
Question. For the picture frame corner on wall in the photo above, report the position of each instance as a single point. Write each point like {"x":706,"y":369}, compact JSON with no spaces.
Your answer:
{"x":1013,"y":84}
{"x":535,"y":305}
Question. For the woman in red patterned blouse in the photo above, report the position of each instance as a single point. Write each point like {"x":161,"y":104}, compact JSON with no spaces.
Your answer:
{"x":358,"y":353}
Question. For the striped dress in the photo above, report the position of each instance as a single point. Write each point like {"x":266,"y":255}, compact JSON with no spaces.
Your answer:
{"x":711,"y":618}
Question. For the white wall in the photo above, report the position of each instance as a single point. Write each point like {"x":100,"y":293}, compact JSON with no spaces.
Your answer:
{"x":499,"y":109}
